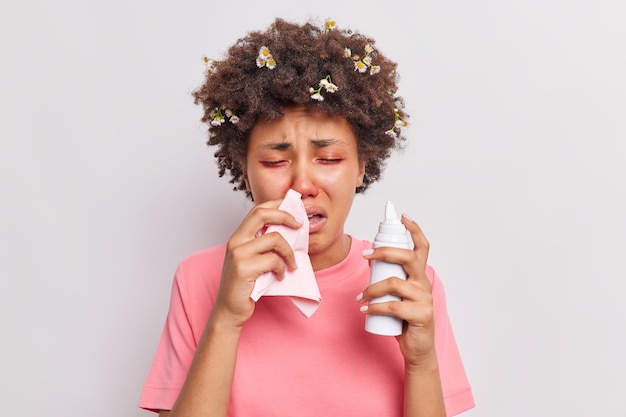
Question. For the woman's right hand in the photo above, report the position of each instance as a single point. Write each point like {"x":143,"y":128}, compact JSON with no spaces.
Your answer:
{"x":249,"y":254}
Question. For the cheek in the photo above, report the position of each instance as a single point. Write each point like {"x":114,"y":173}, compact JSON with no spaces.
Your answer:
{"x":349,"y":177}
{"x":267,"y":186}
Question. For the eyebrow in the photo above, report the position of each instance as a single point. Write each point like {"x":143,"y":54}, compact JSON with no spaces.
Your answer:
{"x":317,"y":143}
{"x":321,"y":143}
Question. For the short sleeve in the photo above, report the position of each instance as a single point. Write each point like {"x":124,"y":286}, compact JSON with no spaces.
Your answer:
{"x":174,"y":352}
{"x":457,"y":392}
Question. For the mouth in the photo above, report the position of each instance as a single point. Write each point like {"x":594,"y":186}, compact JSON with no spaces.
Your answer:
{"x":317,"y":219}
{"x":313,"y":218}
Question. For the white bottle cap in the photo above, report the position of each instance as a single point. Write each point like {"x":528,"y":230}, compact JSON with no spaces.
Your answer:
{"x":390,"y":214}
{"x":392,"y":223}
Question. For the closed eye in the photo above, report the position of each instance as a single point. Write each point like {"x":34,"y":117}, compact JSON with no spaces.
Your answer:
{"x":330,"y":160}
{"x":272,"y":163}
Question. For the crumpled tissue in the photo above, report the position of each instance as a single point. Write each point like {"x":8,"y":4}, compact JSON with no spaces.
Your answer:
{"x":299,"y":284}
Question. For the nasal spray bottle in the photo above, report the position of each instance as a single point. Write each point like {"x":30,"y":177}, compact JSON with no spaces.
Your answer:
{"x":391,"y":232}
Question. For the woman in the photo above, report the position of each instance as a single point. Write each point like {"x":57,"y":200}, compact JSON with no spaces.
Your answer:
{"x":311,"y":109}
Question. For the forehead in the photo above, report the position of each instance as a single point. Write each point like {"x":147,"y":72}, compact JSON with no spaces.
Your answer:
{"x":300,"y":123}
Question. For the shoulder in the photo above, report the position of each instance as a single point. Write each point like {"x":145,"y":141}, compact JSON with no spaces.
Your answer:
{"x":200,"y":259}
{"x":203,"y":266}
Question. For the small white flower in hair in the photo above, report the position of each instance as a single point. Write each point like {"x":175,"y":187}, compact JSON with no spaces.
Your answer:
{"x":218,"y":118}
{"x":265,"y":59}
{"x":327,"y":85}
{"x":210,"y":65}
{"x":317,"y":96}
{"x":362,"y":64}
{"x":398,"y":123}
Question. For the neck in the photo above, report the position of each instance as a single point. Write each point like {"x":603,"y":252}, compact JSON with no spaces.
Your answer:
{"x":331,"y":255}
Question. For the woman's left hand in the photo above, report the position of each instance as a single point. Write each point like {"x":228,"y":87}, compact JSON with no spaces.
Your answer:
{"x":417,"y":341}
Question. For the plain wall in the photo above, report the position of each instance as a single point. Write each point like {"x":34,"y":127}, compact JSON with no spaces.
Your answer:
{"x":515,"y":170}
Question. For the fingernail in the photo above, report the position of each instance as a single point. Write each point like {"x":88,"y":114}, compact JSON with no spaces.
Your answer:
{"x":408,"y":218}
{"x":359,"y":297}
{"x":363,"y":309}
{"x":367,"y":252}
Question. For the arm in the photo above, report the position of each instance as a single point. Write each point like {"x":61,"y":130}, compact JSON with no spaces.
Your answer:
{"x":423,"y":396}
{"x":422,"y":383}
{"x":207,"y":388}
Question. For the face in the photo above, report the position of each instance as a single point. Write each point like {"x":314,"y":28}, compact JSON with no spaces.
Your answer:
{"x":316,"y":155}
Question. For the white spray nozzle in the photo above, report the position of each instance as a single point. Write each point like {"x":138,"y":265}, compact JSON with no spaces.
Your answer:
{"x":390,"y":214}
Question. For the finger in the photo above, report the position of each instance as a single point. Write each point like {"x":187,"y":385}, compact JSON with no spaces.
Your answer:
{"x":412,"y":261}
{"x":415,"y":303}
{"x":269,"y":262}
{"x":417,"y":315}
{"x":272,"y":242}
{"x":281,"y":247}
{"x":389,"y":254}
{"x":421,"y":247}
{"x":420,"y":242}
{"x":407,"y":290}
{"x":259,"y":217}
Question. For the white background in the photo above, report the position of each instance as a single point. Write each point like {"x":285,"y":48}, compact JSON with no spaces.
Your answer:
{"x":515,"y":170}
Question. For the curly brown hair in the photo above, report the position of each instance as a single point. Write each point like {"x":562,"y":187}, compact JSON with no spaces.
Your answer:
{"x":304,"y":55}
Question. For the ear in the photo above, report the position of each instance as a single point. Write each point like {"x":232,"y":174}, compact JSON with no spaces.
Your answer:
{"x":359,"y":180}
{"x":245,"y":177}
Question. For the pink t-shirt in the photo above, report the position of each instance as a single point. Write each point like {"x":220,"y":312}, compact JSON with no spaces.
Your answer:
{"x":290,"y":365}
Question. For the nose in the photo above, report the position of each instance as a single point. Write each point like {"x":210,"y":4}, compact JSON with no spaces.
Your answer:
{"x":303,"y":180}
